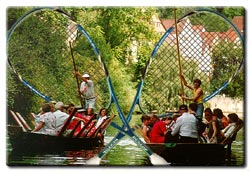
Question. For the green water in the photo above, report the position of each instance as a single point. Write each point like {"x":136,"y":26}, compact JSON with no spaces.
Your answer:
{"x":126,"y":153}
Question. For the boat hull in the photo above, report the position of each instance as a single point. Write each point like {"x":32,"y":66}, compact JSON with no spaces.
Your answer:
{"x":191,"y":154}
{"x":28,"y":142}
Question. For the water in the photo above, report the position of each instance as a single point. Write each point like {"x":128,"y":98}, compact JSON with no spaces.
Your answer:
{"x":125,"y":153}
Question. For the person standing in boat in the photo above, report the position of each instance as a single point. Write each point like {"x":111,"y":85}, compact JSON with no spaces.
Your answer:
{"x":186,"y":126}
{"x":198,"y":95}
{"x":47,"y":121}
{"x":87,"y":89}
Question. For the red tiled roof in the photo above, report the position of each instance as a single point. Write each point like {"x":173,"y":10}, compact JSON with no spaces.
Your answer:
{"x":167,"y":23}
{"x":208,"y":38}
{"x":239,"y":22}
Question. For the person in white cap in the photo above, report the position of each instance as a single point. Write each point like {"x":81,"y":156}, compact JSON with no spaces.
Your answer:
{"x":87,"y":89}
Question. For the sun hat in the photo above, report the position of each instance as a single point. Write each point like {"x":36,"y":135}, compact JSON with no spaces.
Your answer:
{"x":85,"y":75}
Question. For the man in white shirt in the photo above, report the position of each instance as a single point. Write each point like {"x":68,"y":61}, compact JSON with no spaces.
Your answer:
{"x":186,"y":126}
{"x":87,"y":89}
{"x":61,"y":116}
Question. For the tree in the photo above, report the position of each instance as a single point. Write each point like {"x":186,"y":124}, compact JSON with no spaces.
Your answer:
{"x":38,"y":49}
{"x":225,"y":65}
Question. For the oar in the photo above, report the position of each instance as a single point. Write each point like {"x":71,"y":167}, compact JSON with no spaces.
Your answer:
{"x":178,"y":52}
{"x":78,"y":85}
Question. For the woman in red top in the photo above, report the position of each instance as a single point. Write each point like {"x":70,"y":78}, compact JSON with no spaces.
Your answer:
{"x":158,"y":131}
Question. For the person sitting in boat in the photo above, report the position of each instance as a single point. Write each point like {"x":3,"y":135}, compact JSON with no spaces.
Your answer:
{"x":198,"y":95}
{"x":234,"y":123}
{"x":87,"y":89}
{"x":212,"y":133}
{"x":103,"y":115}
{"x":69,"y":108}
{"x":145,"y":119}
{"x":37,"y":117}
{"x":186,"y":126}
{"x":60,"y":115}
{"x":169,"y":138}
{"x":52,"y":106}
{"x":223,"y":121}
{"x":80,"y":114}
{"x":159,"y":130}
{"x":182,"y":108}
{"x":47,"y":124}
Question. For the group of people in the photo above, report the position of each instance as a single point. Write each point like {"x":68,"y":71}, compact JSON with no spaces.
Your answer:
{"x":183,"y":127}
{"x":52,"y":117}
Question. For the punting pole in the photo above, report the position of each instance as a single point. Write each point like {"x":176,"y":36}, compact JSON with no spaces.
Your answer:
{"x":178,"y":53}
{"x":77,"y":81}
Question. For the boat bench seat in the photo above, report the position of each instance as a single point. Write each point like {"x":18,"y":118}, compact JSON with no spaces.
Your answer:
{"x":229,"y":140}
{"x":103,"y":126}
{"x":232,"y":137}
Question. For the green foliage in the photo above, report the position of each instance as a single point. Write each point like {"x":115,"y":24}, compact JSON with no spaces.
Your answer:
{"x":230,"y":12}
{"x":168,"y":13}
{"x":39,"y":50}
{"x":226,"y":58}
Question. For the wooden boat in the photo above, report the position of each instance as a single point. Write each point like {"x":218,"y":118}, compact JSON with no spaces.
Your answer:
{"x":190,"y":153}
{"x":196,"y":154}
{"x":23,"y":140}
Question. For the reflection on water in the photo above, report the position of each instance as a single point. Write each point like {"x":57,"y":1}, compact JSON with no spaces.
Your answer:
{"x":125,"y":153}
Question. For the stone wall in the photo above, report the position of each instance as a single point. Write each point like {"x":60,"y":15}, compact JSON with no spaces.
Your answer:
{"x":227,"y":105}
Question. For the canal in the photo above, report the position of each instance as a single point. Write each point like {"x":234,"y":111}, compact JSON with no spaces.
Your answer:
{"x":125,"y":153}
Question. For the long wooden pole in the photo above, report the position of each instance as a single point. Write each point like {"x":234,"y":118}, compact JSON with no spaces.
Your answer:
{"x":78,"y":84}
{"x":178,"y":52}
